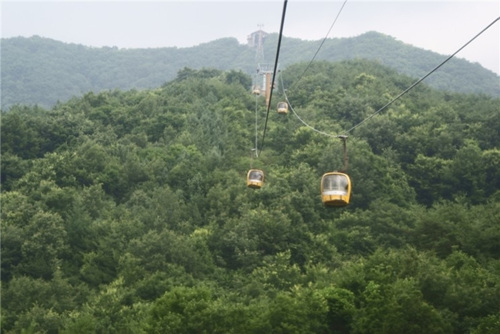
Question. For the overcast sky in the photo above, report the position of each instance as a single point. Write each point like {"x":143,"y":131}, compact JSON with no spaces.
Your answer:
{"x":441,"y":26}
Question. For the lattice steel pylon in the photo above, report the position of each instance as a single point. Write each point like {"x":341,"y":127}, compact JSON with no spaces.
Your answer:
{"x":256,"y":40}
{"x":259,"y":37}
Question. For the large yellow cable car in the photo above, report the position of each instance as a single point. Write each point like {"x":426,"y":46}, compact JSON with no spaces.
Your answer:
{"x":255,"y":178}
{"x":335,"y":189}
{"x":336,"y":186}
{"x":282,"y":108}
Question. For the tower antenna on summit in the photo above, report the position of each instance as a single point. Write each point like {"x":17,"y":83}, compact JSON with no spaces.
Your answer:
{"x":259,"y":43}
{"x":256,"y":40}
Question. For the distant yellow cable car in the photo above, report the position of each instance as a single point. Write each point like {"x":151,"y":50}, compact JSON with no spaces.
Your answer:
{"x":255,"y":178}
{"x":335,"y":189}
{"x":282,"y":108}
{"x":256,"y":90}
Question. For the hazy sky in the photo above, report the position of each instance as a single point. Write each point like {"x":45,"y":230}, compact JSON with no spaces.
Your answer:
{"x":441,"y":26}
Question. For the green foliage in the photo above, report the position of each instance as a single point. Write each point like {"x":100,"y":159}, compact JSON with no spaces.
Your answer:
{"x":127,"y":211}
{"x":182,"y":310}
{"x":398,"y":308}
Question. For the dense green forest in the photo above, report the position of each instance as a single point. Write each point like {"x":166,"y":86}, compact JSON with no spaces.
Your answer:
{"x":42,"y":71}
{"x":127,"y":211}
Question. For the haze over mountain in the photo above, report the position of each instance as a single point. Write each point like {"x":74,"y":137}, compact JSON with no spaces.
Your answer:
{"x":43,"y":71}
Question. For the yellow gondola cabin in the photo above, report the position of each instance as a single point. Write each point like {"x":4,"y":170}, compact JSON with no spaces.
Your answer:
{"x":335,"y":189}
{"x":282,"y":108}
{"x":255,"y":178}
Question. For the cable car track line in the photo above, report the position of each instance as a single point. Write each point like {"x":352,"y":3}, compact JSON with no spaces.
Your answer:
{"x":304,"y":72}
{"x":397,"y":97}
{"x":274,"y":71}
{"x":424,"y":77}
{"x":300,"y":119}
{"x":321,"y":45}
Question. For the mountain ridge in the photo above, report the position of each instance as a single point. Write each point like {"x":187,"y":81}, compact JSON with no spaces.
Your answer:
{"x":43,"y":71}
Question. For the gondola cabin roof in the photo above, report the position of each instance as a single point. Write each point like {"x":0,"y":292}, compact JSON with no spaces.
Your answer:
{"x":255,"y":178}
{"x":335,"y":189}
{"x":282,"y":108}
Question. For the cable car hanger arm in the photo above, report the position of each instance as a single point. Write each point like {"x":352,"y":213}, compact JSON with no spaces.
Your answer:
{"x":346,"y":157}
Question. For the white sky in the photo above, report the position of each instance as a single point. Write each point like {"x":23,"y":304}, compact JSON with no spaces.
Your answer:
{"x":442,"y":26}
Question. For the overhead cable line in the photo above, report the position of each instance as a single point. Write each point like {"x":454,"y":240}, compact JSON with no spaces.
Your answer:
{"x":300,"y":119}
{"x":424,"y":77}
{"x":274,"y":71}
{"x":402,"y":93}
{"x":321,"y":45}
{"x":305,"y":70}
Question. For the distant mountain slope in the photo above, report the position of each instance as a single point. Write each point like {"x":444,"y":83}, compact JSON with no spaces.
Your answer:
{"x":42,"y":71}
{"x":457,"y":75}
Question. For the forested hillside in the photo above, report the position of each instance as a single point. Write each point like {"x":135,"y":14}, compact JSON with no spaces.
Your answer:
{"x":42,"y":71}
{"x":127,"y":211}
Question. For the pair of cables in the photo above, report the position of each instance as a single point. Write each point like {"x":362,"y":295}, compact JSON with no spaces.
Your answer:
{"x":404,"y":92}
{"x":280,"y":36}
